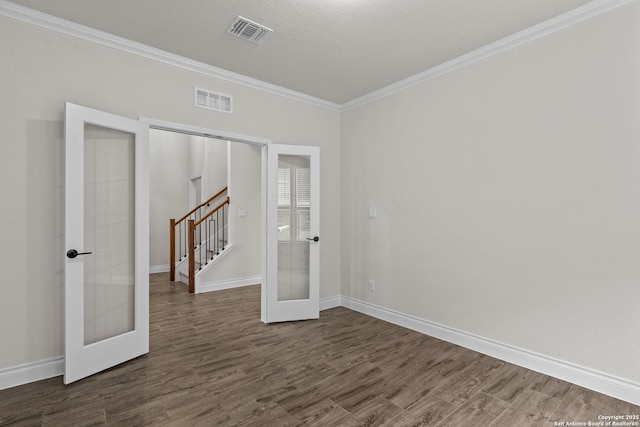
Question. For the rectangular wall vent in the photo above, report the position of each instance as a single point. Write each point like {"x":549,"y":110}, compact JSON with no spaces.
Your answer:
{"x":248,"y":30}
{"x":204,"y":98}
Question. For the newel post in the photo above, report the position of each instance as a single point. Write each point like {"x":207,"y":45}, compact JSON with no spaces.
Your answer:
{"x":192,"y":255}
{"x":172,"y":249}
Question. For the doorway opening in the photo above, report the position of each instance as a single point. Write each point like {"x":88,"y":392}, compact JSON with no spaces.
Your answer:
{"x":213,"y":160}
{"x":272,"y":249}
{"x":195,"y":189}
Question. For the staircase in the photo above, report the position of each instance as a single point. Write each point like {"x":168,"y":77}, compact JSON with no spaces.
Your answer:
{"x":199,"y":239}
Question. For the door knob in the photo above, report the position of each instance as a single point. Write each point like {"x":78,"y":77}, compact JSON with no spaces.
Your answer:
{"x":315,"y":238}
{"x":72,"y":253}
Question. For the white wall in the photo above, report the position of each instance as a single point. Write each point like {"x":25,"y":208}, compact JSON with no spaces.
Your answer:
{"x":508,"y":197}
{"x":168,"y":189}
{"x":216,"y":158}
{"x":245,"y":186}
{"x":39,"y":71}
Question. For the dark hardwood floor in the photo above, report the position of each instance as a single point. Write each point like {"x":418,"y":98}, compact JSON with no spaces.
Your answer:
{"x":212,"y":362}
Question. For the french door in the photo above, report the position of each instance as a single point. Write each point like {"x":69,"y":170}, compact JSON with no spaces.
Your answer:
{"x":293,"y":241}
{"x":106,"y":241}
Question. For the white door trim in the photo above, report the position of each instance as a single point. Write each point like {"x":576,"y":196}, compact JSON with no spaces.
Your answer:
{"x":201,"y":131}
{"x":193,"y":191}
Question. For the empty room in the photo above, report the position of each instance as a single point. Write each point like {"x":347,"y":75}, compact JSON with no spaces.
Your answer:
{"x":399,"y":213}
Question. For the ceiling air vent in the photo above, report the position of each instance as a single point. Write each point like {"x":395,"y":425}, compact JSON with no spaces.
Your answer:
{"x":204,"y":98}
{"x":248,"y":30}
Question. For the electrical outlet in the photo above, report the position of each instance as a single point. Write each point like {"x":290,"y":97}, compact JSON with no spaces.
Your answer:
{"x":372,"y":285}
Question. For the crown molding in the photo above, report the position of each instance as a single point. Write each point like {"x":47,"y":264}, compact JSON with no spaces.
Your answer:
{"x":560,"y":22}
{"x":43,"y":20}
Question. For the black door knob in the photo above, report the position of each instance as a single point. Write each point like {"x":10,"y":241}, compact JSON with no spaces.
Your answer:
{"x":315,"y":239}
{"x":72,"y":253}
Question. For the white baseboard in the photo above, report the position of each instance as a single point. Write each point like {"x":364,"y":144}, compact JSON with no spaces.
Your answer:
{"x":603,"y":383}
{"x":229,"y":284}
{"x":331,"y":302}
{"x":31,"y":372}
{"x":164,"y":268}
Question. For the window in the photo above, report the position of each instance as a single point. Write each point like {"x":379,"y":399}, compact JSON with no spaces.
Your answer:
{"x":294,"y":198}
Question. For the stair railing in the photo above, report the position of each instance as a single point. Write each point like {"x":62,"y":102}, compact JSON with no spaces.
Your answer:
{"x":179,"y":233}
{"x":211,"y":231}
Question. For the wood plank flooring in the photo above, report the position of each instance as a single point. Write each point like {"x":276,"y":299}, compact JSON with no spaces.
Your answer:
{"x":212,"y":362}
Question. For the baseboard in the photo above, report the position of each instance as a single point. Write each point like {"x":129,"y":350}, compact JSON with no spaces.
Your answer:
{"x":603,"y":383}
{"x":332,"y":302}
{"x":200,"y":286}
{"x":159,"y":268}
{"x":229,"y":284}
{"x":31,"y":372}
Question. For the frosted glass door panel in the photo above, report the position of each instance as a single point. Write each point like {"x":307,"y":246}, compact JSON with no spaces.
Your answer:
{"x":109,"y":202}
{"x":293,"y":227}
{"x":106,"y":267}
{"x":292,"y":246}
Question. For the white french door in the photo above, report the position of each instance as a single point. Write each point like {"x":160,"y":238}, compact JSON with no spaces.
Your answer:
{"x":293,"y":241}
{"x":106,"y":241}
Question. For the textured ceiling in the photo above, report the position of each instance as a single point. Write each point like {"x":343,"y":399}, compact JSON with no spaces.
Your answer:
{"x":335,"y":50}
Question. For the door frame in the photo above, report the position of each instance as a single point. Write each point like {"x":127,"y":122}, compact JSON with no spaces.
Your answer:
{"x":193,"y":191}
{"x":263,"y":143}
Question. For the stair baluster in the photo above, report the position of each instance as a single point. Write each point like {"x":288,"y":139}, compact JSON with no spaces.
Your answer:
{"x":194,"y":233}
